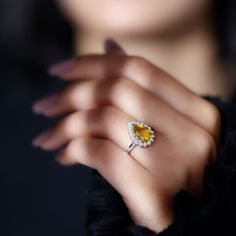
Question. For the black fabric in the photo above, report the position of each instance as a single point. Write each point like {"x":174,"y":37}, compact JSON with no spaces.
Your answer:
{"x":214,"y":214}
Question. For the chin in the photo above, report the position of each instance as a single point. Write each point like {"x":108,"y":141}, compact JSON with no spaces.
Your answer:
{"x":134,"y":27}
{"x":130,"y":17}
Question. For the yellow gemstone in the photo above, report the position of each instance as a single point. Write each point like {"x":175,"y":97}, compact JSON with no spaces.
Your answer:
{"x":142,"y":132}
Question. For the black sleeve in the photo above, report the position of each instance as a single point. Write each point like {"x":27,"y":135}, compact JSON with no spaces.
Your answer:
{"x":214,"y":214}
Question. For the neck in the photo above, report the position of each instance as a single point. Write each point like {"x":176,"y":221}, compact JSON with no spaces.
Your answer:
{"x":190,"y":57}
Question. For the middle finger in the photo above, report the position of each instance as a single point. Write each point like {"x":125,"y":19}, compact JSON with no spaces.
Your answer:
{"x":123,"y":93}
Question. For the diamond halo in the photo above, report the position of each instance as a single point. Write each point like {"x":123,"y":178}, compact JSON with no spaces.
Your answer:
{"x":140,"y":133}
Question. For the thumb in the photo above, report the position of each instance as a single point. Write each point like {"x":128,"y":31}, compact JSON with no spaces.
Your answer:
{"x":112,"y":47}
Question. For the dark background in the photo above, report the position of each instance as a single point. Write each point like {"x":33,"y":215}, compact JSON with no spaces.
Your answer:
{"x":37,"y":195}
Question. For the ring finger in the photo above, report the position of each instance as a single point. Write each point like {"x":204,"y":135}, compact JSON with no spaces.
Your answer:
{"x":111,"y":124}
{"x":105,"y":122}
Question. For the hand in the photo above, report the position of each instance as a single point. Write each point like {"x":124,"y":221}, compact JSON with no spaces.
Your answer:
{"x":107,"y":92}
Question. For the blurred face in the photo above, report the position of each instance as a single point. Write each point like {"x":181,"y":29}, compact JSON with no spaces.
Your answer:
{"x":133,"y":17}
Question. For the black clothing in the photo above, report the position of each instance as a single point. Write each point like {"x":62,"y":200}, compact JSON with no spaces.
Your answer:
{"x":214,"y":214}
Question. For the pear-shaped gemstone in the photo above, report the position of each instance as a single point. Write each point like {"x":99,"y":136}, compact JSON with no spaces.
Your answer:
{"x":142,"y":132}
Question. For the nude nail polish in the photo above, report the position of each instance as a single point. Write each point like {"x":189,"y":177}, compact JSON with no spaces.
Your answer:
{"x":61,"y":67}
{"x":42,"y":104}
{"x":40,"y":138}
{"x":111,"y":46}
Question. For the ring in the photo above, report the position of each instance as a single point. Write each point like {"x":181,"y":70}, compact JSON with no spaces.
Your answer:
{"x":141,"y":135}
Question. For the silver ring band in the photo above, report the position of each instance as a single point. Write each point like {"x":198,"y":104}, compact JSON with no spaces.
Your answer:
{"x":131,"y":147}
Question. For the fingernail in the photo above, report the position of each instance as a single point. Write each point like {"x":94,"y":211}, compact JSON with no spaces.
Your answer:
{"x":39,"y":139}
{"x":111,"y":46}
{"x":40,"y":105}
{"x":61,"y":67}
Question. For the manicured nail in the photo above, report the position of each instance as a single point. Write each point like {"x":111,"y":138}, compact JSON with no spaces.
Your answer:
{"x":42,"y":104}
{"x":39,"y":139}
{"x":111,"y":46}
{"x":61,"y":67}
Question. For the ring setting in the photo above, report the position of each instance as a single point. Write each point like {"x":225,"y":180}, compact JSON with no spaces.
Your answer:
{"x":141,"y":135}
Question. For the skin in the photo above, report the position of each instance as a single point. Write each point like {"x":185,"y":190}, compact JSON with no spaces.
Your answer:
{"x":108,"y":90}
{"x":175,"y":35}
{"x":133,"y":17}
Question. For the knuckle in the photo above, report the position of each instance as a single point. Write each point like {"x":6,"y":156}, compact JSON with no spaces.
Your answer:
{"x":138,"y":63}
{"x":203,"y":144}
{"x":71,"y":151}
{"x":107,"y":115}
{"x":71,"y":100}
{"x":142,"y":68}
{"x":129,"y":89}
{"x":127,"y":92}
{"x":68,"y":125}
{"x":94,"y":153}
{"x":214,"y":116}
{"x":122,"y":86}
{"x":70,"y":96}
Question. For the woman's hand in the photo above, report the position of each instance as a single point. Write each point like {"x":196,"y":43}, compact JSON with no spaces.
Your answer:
{"x":107,"y":92}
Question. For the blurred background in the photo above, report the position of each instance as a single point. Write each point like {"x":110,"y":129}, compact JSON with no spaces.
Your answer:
{"x":37,"y":195}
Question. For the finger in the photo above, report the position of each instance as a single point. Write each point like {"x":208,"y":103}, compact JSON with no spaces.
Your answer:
{"x":105,"y":122}
{"x":150,"y":77}
{"x":44,"y":103}
{"x":138,"y":188}
{"x":110,"y":160}
{"x":112,"y":47}
{"x":124,"y":94}
{"x":110,"y":123}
